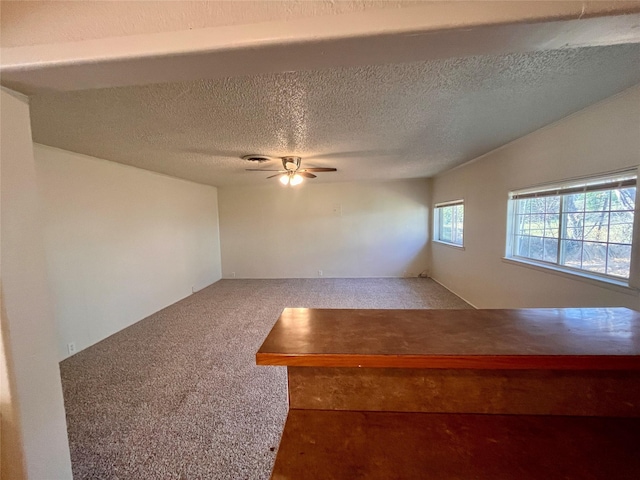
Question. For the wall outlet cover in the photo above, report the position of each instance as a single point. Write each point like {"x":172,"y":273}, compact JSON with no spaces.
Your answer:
{"x":71,"y":348}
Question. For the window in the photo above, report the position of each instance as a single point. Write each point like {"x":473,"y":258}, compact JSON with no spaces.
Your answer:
{"x":449,"y":220}
{"x":582,"y":227}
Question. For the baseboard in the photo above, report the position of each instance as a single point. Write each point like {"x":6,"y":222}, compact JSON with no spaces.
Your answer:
{"x":195,"y":289}
{"x":327,"y":277}
{"x":80,"y":349}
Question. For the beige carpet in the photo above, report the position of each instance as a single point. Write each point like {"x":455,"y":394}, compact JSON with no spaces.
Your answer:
{"x":178,"y":395}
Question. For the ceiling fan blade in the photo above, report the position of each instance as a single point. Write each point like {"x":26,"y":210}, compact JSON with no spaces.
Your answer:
{"x":306,"y":174}
{"x":263,"y":170}
{"x":319,"y":169}
{"x":276,"y":175}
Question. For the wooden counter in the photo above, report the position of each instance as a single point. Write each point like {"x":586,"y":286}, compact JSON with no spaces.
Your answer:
{"x":327,"y":445}
{"x":553,"y":338}
{"x":449,"y":394}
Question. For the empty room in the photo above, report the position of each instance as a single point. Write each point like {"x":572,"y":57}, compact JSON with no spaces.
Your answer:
{"x":319,"y":239}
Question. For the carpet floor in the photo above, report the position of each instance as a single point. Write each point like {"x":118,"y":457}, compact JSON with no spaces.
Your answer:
{"x":178,"y":395}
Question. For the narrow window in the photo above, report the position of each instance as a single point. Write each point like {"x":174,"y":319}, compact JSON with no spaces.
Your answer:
{"x":449,"y":222}
{"x":579,"y":227}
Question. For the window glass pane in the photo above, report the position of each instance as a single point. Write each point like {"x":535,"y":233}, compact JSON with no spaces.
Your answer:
{"x":458,"y":223}
{"x":536,"y":249}
{"x":551,"y":225}
{"x":596,"y":226}
{"x":621,"y":227}
{"x":621,"y":217}
{"x":552,"y":204}
{"x":574,"y":202}
{"x":621,"y":233}
{"x":446,"y":219}
{"x":572,"y":253}
{"x":523,"y":206}
{"x":597,"y":201}
{"x":619,"y":260}
{"x":573,"y":234}
{"x":594,"y":257}
{"x":537,"y":225}
{"x":551,"y":250}
{"x":522,"y":246}
{"x":623,"y":199}
{"x":522,"y":225}
{"x":573,"y":220}
{"x":537,"y":205}
{"x":445,"y":233}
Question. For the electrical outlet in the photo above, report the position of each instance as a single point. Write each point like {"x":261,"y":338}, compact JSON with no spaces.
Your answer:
{"x":193,"y":289}
{"x":71,"y":348}
{"x":337,"y":210}
{"x":319,"y":273}
{"x":233,"y":274}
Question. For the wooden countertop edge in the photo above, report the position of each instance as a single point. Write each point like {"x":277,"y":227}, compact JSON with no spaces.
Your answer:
{"x":474,"y":362}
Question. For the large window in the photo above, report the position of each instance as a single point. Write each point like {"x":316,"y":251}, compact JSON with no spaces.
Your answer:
{"x":449,"y":220}
{"x":583,"y":227}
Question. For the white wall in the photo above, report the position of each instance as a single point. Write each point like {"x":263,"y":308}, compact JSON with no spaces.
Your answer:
{"x":604,"y":137}
{"x":32,"y":396}
{"x":121,"y":243}
{"x":379,"y":230}
{"x":11,"y":458}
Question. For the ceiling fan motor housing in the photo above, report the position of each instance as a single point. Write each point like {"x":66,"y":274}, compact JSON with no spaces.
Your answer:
{"x":291,"y":163}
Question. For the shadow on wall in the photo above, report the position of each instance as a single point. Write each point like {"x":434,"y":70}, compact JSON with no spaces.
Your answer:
{"x":11,"y":458}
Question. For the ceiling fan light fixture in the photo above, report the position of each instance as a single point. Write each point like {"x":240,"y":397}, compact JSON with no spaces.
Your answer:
{"x":292,"y":174}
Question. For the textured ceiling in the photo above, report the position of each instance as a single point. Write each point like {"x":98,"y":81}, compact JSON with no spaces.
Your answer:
{"x":25,"y":23}
{"x":371,"y":123}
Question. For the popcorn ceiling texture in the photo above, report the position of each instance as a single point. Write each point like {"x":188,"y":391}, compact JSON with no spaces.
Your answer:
{"x":371,"y":123}
{"x":178,"y":394}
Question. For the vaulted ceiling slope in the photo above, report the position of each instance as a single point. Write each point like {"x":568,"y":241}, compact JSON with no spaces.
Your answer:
{"x":372,"y":123}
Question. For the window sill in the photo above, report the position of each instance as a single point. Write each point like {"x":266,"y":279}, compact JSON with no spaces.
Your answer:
{"x":611,"y":284}
{"x":447,"y":244}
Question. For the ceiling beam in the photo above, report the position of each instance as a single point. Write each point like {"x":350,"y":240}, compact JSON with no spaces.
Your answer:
{"x":435,"y":30}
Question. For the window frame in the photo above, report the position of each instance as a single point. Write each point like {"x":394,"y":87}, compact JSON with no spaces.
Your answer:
{"x":612,"y":180}
{"x":437,"y":209}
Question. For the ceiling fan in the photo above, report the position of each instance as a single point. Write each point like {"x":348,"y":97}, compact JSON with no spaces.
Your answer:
{"x":292,"y":173}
